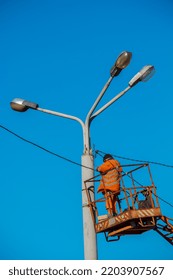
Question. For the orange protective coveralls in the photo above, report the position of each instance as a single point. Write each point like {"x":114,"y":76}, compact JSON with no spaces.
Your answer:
{"x":110,"y":183}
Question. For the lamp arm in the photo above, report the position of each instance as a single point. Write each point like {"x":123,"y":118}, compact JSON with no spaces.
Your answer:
{"x":87,"y":121}
{"x":109,"y":103}
{"x":98,"y":99}
{"x":58,"y":114}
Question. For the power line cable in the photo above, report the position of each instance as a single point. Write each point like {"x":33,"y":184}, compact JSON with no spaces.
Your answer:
{"x":73,"y":162}
{"x":137,"y":160}
{"x":42,"y":148}
{"x":164,"y":200}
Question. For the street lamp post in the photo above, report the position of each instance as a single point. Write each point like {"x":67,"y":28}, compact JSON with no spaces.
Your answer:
{"x":90,"y":242}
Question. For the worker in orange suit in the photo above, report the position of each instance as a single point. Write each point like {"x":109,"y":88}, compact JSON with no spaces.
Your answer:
{"x":110,"y":182}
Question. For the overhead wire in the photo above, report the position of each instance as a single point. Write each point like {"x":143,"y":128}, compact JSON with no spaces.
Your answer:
{"x":137,"y":160}
{"x":42,"y":148}
{"x":76,"y":163}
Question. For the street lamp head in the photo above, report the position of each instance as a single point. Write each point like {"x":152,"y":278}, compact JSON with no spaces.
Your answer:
{"x":122,"y":62}
{"x":143,"y":75}
{"x":22,"y":105}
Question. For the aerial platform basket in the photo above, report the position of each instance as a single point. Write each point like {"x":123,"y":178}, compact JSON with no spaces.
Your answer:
{"x":138,"y":206}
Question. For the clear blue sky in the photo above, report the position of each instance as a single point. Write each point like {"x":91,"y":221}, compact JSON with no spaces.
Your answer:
{"x":58,"y":54}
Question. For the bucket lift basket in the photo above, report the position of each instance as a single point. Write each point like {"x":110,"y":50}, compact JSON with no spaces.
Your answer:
{"x":138,"y":206}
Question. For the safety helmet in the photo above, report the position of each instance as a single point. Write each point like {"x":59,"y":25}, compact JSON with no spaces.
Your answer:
{"x":107,"y":157}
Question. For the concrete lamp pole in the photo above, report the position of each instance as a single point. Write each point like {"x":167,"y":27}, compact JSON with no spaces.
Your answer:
{"x":18,"y":104}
